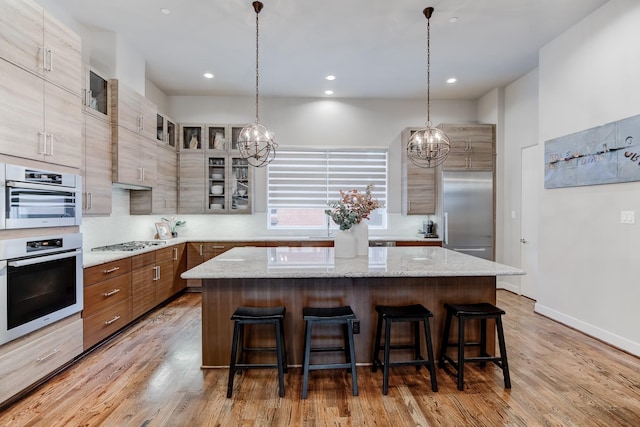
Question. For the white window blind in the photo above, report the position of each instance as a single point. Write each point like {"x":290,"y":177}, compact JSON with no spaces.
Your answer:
{"x":307,"y":179}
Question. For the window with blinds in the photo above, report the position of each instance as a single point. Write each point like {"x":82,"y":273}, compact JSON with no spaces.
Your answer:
{"x":301,"y":183}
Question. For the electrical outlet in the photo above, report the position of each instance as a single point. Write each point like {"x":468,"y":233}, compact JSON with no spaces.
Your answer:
{"x":356,"y":326}
{"x":627,"y":217}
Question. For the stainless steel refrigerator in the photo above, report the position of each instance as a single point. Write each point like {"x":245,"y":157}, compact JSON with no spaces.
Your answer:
{"x":468,"y":213}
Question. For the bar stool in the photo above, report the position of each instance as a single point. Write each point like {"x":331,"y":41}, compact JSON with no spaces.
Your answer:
{"x":414,"y":314}
{"x":329,"y":316}
{"x":464,"y":312}
{"x":252,"y":316}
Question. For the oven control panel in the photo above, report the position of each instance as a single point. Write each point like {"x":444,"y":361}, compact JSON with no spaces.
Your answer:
{"x":41,"y":245}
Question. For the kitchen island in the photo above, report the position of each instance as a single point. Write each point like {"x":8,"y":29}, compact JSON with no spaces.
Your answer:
{"x":296,"y":277}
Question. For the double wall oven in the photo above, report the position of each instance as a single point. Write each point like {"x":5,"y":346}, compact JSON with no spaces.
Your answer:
{"x":40,"y":282}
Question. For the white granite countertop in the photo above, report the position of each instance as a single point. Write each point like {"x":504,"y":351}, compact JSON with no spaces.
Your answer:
{"x":92,"y":258}
{"x":315,"y":262}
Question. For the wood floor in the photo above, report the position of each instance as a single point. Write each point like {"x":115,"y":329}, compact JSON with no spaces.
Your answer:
{"x":150,"y":376}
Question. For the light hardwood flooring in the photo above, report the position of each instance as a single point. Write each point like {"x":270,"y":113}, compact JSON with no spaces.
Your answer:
{"x":150,"y":376}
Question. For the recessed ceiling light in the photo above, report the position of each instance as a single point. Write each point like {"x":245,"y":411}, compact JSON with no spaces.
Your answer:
{"x":330,"y":77}
{"x":452,"y":80}
{"x":328,"y":92}
{"x":208,"y":75}
{"x":453,"y":19}
{"x":165,"y":11}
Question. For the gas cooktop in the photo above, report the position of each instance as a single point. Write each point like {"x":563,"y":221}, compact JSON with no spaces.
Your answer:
{"x":135,"y":245}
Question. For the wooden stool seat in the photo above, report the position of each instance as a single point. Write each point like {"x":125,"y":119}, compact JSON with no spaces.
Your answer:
{"x":329,"y":316}
{"x":464,"y":312}
{"x":413,"y":314}
{"x":252,"y":316}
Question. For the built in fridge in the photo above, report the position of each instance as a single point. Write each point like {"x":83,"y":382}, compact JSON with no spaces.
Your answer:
{"x":468,"y":212}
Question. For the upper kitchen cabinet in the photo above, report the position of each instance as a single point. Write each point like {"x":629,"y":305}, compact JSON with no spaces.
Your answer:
{"x":229,"y":184}
{"x":166,"y":131}
{"x":133,"y":111}
{"x":192,"y":181}
{"x":46,"y":120}
{"x":163,"y":198}
{"x":472,"y":147}
{"x":192,"y":138}
{"x":418,"y":189}
{"x":96,"y":94}
{"x":218,"y":137}
{"x":38,"y":42}
{"x":97,"y":169}
{"x":135,"y":159}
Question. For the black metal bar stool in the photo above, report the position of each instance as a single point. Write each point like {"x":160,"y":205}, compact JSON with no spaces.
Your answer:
{"x":252,"y":316}
{"x":464,"y":312}
{"x":329,"y":316}
{"x":414,"y":314}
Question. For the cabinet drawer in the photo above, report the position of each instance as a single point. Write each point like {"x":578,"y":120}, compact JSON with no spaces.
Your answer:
{"x":102,"y":295}
{"x":32,"y":361}
{"x":106,"y":322}
{"x":107,"y":270}
{"x":139,"y":261}
{"x":164,"y":254}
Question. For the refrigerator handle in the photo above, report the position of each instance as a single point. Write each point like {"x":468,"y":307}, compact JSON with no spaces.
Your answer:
{"x":445,"y":234}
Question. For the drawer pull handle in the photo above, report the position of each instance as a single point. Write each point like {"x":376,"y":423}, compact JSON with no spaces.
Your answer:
{"x":111,"y":270}
{"x":115,"y":319}
{"x":113,"y":292}
{"x":43,"y":358}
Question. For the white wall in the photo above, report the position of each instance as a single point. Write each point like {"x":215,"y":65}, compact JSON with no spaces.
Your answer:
{"x":588,"y":260}
{"x":520,"y":130}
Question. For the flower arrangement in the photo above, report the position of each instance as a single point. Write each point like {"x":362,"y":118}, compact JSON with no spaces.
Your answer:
{"x":174,"y":223}
{"x":352,"y":207}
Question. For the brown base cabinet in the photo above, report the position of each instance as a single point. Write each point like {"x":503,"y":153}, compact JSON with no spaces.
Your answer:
{"x":118,"y":292}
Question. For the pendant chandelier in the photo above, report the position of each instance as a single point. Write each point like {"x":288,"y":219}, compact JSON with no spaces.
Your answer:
{"x":255,"y":142}
{"x":429,"y":146}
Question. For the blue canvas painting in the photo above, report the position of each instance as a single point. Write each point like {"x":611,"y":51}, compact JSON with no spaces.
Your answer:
{"x":605,"y":154}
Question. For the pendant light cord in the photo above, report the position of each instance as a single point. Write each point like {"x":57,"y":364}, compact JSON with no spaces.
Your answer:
{"x":428,"y":72}
{"x":257,"y":52}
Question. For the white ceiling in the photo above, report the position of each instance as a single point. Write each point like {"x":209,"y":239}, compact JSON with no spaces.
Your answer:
{"x":376,"y":48}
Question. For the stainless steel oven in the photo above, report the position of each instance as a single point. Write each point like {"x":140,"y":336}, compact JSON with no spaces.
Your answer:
{"x":40,"y":282}
{"x":39,"y":198}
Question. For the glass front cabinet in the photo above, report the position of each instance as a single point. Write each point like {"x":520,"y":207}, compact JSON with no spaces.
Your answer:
{"x":229,"y":184}
{"x":96,"y":93}
{"x":166,"y":130}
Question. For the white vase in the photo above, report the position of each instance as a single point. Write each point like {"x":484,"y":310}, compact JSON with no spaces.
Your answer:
{"x":344,"y":244}
{"x":361,"y":231}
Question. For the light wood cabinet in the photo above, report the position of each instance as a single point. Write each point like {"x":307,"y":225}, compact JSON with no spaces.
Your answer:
{"x":192,"y":181}
{"x":229,"y":184}
{"x":46,"y":121}
{"x":192,"y":138}
{"x":133,"y":111}
{"x":472,"y":147}
{"x":27,"y":360}
{"x":38,"y":42}
{"x":418,"y":185}
{"x":135,"y":158}
{"x":163,"y":198}
{"x":97,"y":168}
{"x":166,"y":131}
{"x":107,"y":300}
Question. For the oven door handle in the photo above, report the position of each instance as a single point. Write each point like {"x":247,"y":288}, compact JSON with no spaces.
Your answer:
{"x":32,"y":186}
{"x":38,"y":260}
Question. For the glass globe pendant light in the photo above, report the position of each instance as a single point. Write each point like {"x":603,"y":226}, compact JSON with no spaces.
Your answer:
{"x":429,"y":146}
{"x":255,"y":142}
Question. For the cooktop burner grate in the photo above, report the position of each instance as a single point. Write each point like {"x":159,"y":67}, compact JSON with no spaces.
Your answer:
{"x":129,"y":246}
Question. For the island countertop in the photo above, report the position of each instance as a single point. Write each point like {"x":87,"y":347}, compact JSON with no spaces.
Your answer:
{"x":319,"y":262}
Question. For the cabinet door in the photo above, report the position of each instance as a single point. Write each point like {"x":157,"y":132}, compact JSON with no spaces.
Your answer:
{"x":191,"y":191}
{"x":125,"y":106}
{"x":63,"y":126}
{"x":179,"y":267}
{"x":22,"y":34}
{"x":195,"y":256}
{"x":22,"y":96}
{"x":169,"y":177}
{"x":164,"y":282}
{"x":143,"y":289}
{"x":148,"y":118}
{"x":96,"y":94}
{"x":148,"y":161}
{"x":126,"y":168}
{"x":421,"y":190}
{"x":97,"y":168}
{"x":64,"y":64}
